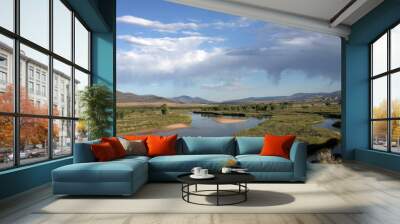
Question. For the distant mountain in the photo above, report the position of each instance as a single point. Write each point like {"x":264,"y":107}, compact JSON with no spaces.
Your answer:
{"x":134,"y":98}
{"x":332,"y":96}
{"x":191,"y":100}
{"x":131,"y":98}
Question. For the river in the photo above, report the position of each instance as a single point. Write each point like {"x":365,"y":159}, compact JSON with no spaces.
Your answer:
{"x":207,"y":126}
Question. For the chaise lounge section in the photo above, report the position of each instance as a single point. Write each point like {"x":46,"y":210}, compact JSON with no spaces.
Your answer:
{"x":125,"y":176}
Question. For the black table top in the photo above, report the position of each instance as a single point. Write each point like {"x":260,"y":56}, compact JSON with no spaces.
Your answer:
{"x":220,"y":178}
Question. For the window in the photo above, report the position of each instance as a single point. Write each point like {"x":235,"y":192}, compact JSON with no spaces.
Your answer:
{"x":3,"y":61}
{"x":62,"y":29}
{"x":37,"y":89}
{"x":3,"y":78}
{"x":45,"y":131}
{"x":62,"y":74}
{"x":6,"y":74}
{"x":31,"y":72}
{"x":6,"y":142}
{"x":35,"y":21}
{"x":7,"y":14}
{"x":81,"y":82}
{"x":62,"y":137}
{"x":44,"y":91}
{"x":385,"y":94}
{"x":30,"y":87}
{"x":81,"y":45}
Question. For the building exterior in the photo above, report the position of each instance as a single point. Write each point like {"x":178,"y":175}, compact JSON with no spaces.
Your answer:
{"x":34,"y":80}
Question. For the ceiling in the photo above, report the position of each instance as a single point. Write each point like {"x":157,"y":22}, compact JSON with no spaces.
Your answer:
{"x":333,"y":17}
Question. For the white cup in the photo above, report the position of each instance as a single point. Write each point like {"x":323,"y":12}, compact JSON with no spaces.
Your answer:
{"x":203,"y":172}
{"x":196,"y":171}
{"x":226,"y":170}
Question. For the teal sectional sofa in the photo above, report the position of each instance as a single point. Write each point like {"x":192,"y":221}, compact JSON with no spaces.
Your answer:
{"x":125,"y":176}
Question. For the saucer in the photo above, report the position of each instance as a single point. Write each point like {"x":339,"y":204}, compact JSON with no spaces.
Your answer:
{"x":208,"y":176}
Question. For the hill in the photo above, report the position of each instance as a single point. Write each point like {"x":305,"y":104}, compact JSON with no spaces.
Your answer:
{"x":134,"y":98}
{"x":332,"y":96}
{"x":191,"y":100}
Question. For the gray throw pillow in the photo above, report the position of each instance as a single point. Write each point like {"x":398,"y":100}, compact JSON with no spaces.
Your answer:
{"x":136,"y":147}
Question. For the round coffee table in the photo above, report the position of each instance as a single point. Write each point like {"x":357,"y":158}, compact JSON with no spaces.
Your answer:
{"x":238,"y":179}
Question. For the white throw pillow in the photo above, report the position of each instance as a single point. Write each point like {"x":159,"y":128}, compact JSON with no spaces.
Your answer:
{"x":136,"y":147}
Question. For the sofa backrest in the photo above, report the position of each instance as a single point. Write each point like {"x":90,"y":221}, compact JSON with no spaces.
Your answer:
{"x":83,"y":152}
{"x":249,"y":145}
{"x":206,"y":145}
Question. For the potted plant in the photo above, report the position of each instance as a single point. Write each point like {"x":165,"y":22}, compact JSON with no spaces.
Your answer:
{"x":96,"y":102}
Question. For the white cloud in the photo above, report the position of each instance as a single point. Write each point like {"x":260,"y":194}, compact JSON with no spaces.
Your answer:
{"x":184,"y":27}
{"x":151,"y":57}
{"x":157,"y":25}
{"x":169,"y":43}
{"x":187,"y":59}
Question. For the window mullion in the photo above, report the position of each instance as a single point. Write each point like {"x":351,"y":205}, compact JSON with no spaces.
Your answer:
{"x":389,"y":106}
{"x":73,"y":82}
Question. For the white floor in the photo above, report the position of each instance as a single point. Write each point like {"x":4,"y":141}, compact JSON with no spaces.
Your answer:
{"x":377,"y":190}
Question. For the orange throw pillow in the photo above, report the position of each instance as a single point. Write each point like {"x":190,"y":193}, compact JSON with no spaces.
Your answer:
{"x":116,"y":145}
{"x":103,"y":152}
{"x":277,"y":145}
{"x":135,"y":137}
{"x":161,"y":145}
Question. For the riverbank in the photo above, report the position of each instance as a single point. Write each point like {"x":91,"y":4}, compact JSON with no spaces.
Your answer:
{"x":228,"y":120}
{"x":135,"y":120}
{"x":172,"y":127}
{"x":299,"y":124}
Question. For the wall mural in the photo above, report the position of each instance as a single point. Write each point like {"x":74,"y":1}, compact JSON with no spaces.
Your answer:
{"x":202,"y":73}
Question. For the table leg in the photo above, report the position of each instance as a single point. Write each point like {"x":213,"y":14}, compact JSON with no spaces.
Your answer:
{"x":195,"y":188}
{"x":217,"y":194}
{"x":245,"y":193}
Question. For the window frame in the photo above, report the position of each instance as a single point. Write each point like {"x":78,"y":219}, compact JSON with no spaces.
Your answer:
{"x":16,"y":114}
{"x":388,"y":74}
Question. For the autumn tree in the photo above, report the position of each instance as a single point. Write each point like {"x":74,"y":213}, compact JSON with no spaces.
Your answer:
{"x":380,"y":127}
{"x":33,"y":131}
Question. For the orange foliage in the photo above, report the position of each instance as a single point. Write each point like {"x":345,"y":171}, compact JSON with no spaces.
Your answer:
{"x":380,"y":127}
{"x":33,"y":130}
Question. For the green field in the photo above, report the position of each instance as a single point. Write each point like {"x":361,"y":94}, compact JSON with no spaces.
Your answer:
{"x":298,"y":119}
{"x":146,"y":119}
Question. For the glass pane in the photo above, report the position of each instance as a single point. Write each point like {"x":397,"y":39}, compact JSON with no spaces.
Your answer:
{"x":395,"y":136}
{"x":395,"y":95}
{"x":62,"y":29}
{"x":81,"y":81}
{"x":6,"y":74}
{"x":34,"y":97}
{"x":33,"y":139}
{"x":7,"y":14}
{"x":62,"y":89}
{"x":379,"y":100}
{"x":81,"y":45}
{"x":379,"y":135}
{"x":6,"y":142}
{"x":395,"y":47}
{"x":81,"y":131}
{"x":379,"y":55}
{"x":62,"y":138}
{"x":34,"y":16}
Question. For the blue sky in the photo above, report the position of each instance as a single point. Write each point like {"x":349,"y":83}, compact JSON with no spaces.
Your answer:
{"x":167,"y":49}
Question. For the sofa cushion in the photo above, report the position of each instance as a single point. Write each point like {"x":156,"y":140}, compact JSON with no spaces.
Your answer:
{"x":116,"y":145}
{"x":185,"y":163}
{"x":257,"y":163}
{"x":134,"y":147}
{"x":103,"y":152}
{"x":249,"y":145}
{"x":161,"y":145}
{"x":208,"y":145}
{"x":112,"y":171}
{"x":275,"y":145}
